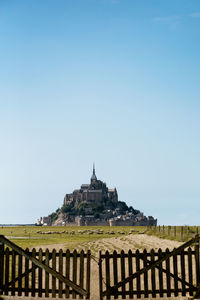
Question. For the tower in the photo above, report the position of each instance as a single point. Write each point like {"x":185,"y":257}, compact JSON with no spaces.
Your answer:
{"x":93,"y":178}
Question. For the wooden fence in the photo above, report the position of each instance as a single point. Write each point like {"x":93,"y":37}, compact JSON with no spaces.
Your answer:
{"x":180,"y":233}
{"x":65,"y":274}
{"x":37,"y":273}
{"x":160,"y":273}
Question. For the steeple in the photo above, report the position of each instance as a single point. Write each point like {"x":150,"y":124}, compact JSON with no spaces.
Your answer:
{"x":93,"y":169}
{"x":93,"y":178}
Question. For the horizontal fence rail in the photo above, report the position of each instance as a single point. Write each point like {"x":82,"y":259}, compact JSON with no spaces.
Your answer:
{"x":43,"y":273}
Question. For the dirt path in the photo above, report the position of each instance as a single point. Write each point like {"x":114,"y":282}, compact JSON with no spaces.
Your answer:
{"x":133,"y":242}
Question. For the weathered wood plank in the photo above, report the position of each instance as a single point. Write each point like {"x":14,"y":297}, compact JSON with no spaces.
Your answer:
{"x":1,"y":267}
{"x":190,"y":269}
{"x":138,"y":281}
{"x":183,"y":272}
{"x":115,"y":270}
{"x":153,"y":279}
{"x":107,"y":270}
{"x":130,"y":271}
{"x":123,"y":274}
{"x":145,"y":273}
{"x":7,"y":270}
{"x":40,"y":275}
{"x":127,"y":292}
{"x":53,"y":278}
{"x":13,"y":272}
{"x":134,"y":255}
{"x":81,"y":274}
{"x":168,"y":275}
{"x":176,"y":275}
{"x":100,"y":277}
{"x":74,"y":272}
{"x":197,"y":262}
{"x":47,"y":274}
{"x":20,"y":275}
{"x":27,"y":274}
{"x":33,"y":274}
{"x":160,"y":274}
{"x":60,"y":286}
{"x":67,"y":272}
{"x":88,"y":275}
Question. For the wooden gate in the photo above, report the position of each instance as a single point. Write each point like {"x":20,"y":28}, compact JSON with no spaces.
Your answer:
{"x":42,"y":273}
{"x":145,"y":274}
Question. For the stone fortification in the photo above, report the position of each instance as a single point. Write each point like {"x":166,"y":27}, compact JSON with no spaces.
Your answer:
{"x":95,"y":204}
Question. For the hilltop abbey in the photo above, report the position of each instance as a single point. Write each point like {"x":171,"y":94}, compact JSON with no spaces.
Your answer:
{"x":96,"y":191}
{"x":96,"y":204}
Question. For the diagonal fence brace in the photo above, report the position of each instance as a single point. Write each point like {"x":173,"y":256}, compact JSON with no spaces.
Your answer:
{"x":172,"y":275}
{"x":45,"y":267}
{"x":25,"y":273}
{"x":150,"y":266}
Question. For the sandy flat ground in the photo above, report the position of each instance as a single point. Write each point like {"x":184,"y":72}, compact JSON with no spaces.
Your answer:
{"x":133,"y":242}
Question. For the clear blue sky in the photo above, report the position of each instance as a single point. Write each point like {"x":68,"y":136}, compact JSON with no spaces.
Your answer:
{"x":111,"y":81}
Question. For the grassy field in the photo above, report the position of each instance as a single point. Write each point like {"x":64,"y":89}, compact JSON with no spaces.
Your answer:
{"x":70,"y":237}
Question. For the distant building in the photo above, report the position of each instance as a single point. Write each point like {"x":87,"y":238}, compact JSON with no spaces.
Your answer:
{"x":96,"y":204}
{"x":45,"y":221}
{"x":96,"y":191}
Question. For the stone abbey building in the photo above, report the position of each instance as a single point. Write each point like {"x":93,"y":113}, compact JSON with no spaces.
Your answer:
{"x":97,"y":205}
{"x":96,"y":191}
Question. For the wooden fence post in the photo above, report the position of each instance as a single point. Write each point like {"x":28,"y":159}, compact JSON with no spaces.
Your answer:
{"x":174,"y":231}
{"x":181,"y":233}
{"x":169,"y":230}
{"x":197,"y":262}
{"x":163,"y":229}
{"x":188,"y":230}
{"x":88,"y":274}
{"x":100,"y":277}
{"x":1,"y":266}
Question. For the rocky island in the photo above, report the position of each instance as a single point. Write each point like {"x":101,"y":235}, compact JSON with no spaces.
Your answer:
{"x":96,"y":204}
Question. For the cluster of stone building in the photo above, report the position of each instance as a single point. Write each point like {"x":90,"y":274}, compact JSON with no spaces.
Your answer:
{"x":94,"y":193}
{"x":120,"y":220}
{"x":45,"y":221}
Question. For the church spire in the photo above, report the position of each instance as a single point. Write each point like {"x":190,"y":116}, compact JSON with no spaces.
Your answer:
{"x":93,"y":168}
{"x":93,"y":178}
